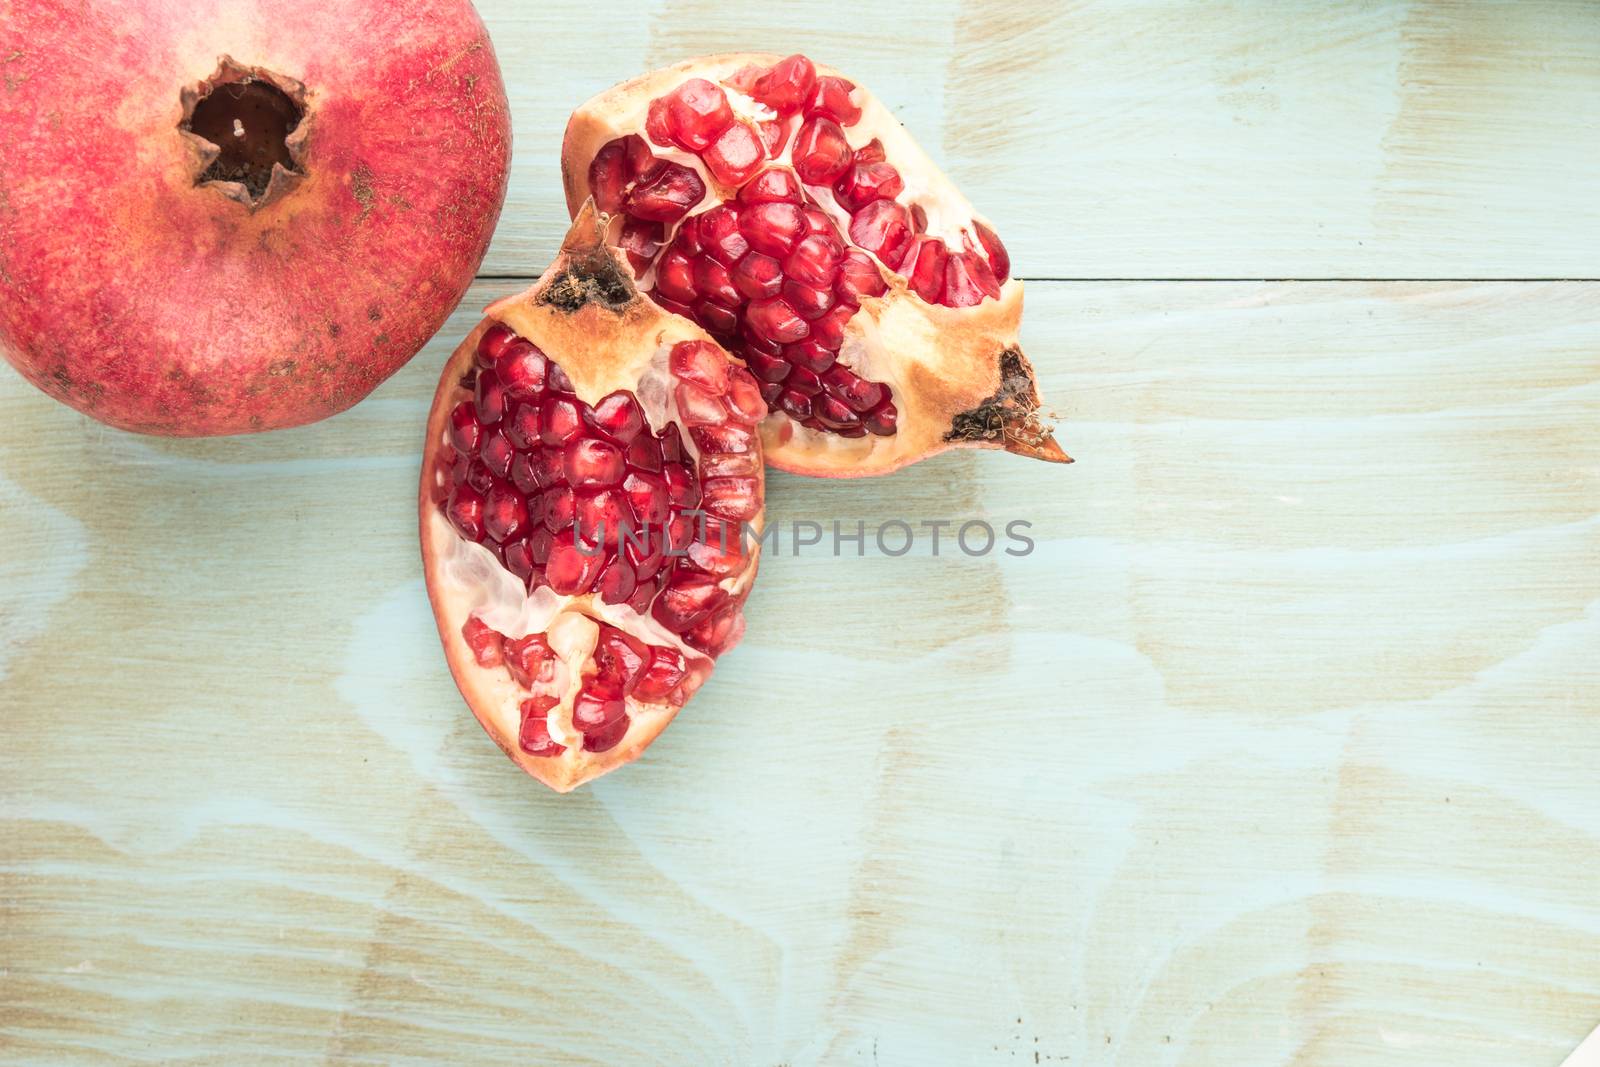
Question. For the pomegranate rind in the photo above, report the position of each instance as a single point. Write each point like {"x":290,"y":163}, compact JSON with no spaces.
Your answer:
{"x":958,"y":375}
{"x":564,"y":320}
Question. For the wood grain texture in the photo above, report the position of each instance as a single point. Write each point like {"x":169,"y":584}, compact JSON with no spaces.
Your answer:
{"x":1279,"y":749}
{"x":1148,"y":139}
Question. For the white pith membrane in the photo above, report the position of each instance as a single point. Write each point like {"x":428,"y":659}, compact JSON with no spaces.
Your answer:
{"x":466,"y":581}
{"x":938,"y":363}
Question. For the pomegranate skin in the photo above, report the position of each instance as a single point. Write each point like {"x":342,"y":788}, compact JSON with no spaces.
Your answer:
{"x":157,"y":300}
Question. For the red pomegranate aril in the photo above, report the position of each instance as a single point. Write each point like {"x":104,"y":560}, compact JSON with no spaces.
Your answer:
{"x":484,"y":642}
{"x":489,"y":398}
{"x":668,"y":304}
{"x":700,"y":363}
{"x":618,"y":416}
{"x":696,"y":112}
{"x":641,"y":240}
{"x":600,"y":714}
{"x":465,"y":512}
{"x":775,"y":320}
{"x":744,"y":397}
{"x":735,"y":155}
{"x":717,"y":235}
{"x":682,"y":491}
{"x":729,"y":437}
{"x":559,"y":420}
{"x":927,"y":276}
{"x":717,"y":320}
{"x":645,"y":553}
{"x":496,"y":452}
{"x":534,"y":736}
{"x":802,"y":380}
{"x":821,"y":153}
{"x":522,"y":473}
{"x":539,"y":543}
{"x":550,"y":468}
{"x":810,"y":354}
{"x":808,"y":302}
{"x":466,"y":432}
{"x":757,"y":275}
{"x":660,"y":676}
{"x":592,"y":464}
{"x":656,"y":126}
{"x":882,"y":420}
{"x":505,"y":513}
{"x":609,"y":177}
{"x":814,"y":261}
{"x":828,"y":331}
{"x":831,"y":97}
{"x":675,"y":276}
{"x":558,"y":508}
{"x":603,"y":516}
{"x":621,"y":658}
{"x":608,"y":738}
{"x":521,"y":370}
{"x":770,"y":391}
{"x":831,"y":411}
{"x":967,"y":280}
{"x":855,"y":391}
{"x":871,"y":152}
{"x":772,"y":228}
{"x":686,"y":600}
{"x":474,"y":473}
{"x":698,"y":407}
{"x":732,"y":498}
{"x":774,"y":135}
{"x":519,"y":557}
{"x":711,"y":280}
{"x":521,"y":425}
{"x":497,"y":337}
{"x":794,"y":404}
{"x":858,"y":277}
{"x":866,"y":182}
{"x":773,"y":185}
{"x":530,"y":660}
{"x":645,"y":453}
{"x":883,"y":228}
{"x":729,"y":466}
{"x":768,"y":368}
{"x":665,"y":195}
{"x":999,"y":259}
{"x":647,"y":493}
{"x":785,"y":85}
{"x":569,"y":570}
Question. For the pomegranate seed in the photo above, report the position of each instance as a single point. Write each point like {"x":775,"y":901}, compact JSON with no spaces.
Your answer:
{"x":609,"y":177}
{"x":647,"y":494}
{"x":882,"y":421}
{"x":729,"y":437}
{"x":530,"y":660}
{"x":744,"y":397}
{"x":717,"y":320}
{"x":732,"y":498}
{"x":505,"y":513}
{"x":871,"y":152}
{"x":539,"y":543}
{"x":999,"y":259}
{"x":522,"y":370}
{"x":821,"y":153}
{"x":686,"y":600}
{"x":735,"y":155}
{"x":757,"y":276}
{"x":866,"y":182}
{"x":496,"y":338}
{"x":484,"y":642}
{"x":810,"y":355}
{"x":786,"y":84}
{"x":967,"y":280}
{"x":617,"y":582}
{"x":671,"y":305}
{"x":476,"y":474}
{"x":645,"y":453}
{"x":774,"y":185}
{"x":775,"y":320}
{"x":831,"y":97}
{"x":661,"y":675}
{"x":523,"y":473}
{"x":927,"y":277}
{"x":682,"y":491}
{"x":794,"y":404}
{"x":465,"y":512}
{"x":859,"y":277}
{"x":465,"y":430}
{"x":698,"y":407}
{"x":621,"y":658}
{"x":618,"y":416}
{"x":603,"y":517}
{"x":645,"y":555}
{"x":772,"y":228}
{"x":489,"y":398}
{"x":534,"y":737}
{"x":522,"y":425}
{"x":559,"y":421}
{"x":832,"y":412}
{"x":855,"y":391}
{"x":768,"y":368}
{"x":558,"y":508}
{"x":718,"y":236}
{"x":675,"y":276}
{"x":774,"y":135}
{"x":828,"y":331}
{"x":568,"y":570}
{"x":656,"y":126}
{"x":735,"y":466}
{"x":883,"y":228}
{"x":597,"y":709}
{"x":608,"y":738}
{"x":496,"y":453}
{"x":519,"y":556}
{"x":665,"y":195}
{"x":641,"y":240}
{"x":700,"y":363}
{"x":591,"y":463}
{"x":814,"y":261}
{"x":712,"y":280}
{"x":770,"y":391}
{"x":696,"y":112}
{"x":550,"y":467}
{"x":810,"y":303}
{"x":804,"y":382}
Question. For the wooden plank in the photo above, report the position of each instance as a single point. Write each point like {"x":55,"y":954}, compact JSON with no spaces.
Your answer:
{"x":1280,"y":747}
{"x":1114,"y":139}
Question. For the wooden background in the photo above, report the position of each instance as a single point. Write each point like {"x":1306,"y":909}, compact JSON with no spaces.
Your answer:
{"x":1282,"y":748}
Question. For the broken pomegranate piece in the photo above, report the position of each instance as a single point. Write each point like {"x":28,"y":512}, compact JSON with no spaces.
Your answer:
{"x":814,"y":239}
{"x":591,"y":508}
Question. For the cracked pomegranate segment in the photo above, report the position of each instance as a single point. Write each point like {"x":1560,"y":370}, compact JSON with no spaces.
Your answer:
{"x":813,"y":238}
{"x":591,"y":501}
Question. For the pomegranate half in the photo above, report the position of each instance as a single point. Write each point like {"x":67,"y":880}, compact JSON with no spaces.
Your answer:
{"x":218,"y":217}
{"x":787,"y":211}
{"x":591,"y":508}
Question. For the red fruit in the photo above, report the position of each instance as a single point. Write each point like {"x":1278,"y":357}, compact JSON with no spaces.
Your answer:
{"x":781,"y":261}
{"x":197,"y":243}
{"x":696,"y":112}
{"x":563,"y":512}
{"x":735,"y":155}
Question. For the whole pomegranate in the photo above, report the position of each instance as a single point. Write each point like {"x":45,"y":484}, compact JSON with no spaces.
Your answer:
{"x":788,"y":212}
{"x":591,"y":506}
{"x":219,"y":217}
